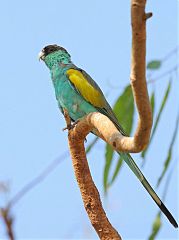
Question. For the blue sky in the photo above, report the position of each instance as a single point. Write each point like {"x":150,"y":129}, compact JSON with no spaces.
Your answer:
{"x":98,"y":36}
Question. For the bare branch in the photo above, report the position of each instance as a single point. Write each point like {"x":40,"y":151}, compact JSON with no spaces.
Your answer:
{"x":89,"y":192}
{"x":138,"y":72}
{"x":35,"y":181}
{"x":5,"y":213}
{"x":170,"y":71}
{"x":8,"y":221}
{"x":106,"y":130}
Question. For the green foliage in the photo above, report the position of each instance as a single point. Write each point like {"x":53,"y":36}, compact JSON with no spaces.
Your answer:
{"x":116,"y":171}
{"x":164,"y":100}
{"x":152,"y":102}
{"x":124,"y":111}
{"x":108,"y":156}
{"x":156,"y":226}
{"x":91,"y":145}
{"x":154,"y":64}
{"x":169,"y":156}
{"x":161,"y":108}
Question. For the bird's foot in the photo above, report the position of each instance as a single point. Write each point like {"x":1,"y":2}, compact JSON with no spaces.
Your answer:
{"x":70,"y":126}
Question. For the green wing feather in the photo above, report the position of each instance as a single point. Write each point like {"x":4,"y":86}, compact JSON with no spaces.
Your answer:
{"x":98,"y":101}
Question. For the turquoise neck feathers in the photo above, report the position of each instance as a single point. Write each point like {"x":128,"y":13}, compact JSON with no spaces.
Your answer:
{"x":53,"y":59}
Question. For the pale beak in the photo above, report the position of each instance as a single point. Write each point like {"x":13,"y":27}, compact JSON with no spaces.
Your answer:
{"x":41,"y":56}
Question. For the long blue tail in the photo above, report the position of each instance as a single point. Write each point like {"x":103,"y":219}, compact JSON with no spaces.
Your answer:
{"x":133,"y":166}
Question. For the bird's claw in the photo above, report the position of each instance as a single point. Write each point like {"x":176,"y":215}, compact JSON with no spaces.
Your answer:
{"x":70,"y":126}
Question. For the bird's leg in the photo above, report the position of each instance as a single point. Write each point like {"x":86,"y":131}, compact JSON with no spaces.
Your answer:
{"x":71,"y":125}
{"x":68,"y":121}
{"x":74,"y":123}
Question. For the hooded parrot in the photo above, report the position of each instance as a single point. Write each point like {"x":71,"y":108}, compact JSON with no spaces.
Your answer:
{"x":80,"y":95}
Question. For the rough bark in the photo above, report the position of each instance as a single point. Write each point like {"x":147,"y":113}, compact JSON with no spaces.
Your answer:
{"x":89,"y":192}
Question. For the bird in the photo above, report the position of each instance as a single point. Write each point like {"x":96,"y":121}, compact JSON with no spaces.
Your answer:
{"x":80,"y":95}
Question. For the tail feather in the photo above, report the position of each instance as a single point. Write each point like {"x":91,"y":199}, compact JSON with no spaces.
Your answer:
{"x":133,"y":166}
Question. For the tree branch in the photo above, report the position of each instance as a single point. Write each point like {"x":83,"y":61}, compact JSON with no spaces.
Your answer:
{"x":105,"y":129}
{"x":138,"y":72}
{"x":8,"y":221}
{"x":89,"y":192}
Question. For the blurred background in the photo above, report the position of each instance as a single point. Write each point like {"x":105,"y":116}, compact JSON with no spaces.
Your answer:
{"x":36,"y":171}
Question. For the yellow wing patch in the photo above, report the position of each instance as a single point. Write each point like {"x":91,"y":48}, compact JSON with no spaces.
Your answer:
{"x":89,"y":93}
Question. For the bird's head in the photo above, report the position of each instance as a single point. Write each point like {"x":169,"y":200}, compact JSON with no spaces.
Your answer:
{"x":54,"y":54}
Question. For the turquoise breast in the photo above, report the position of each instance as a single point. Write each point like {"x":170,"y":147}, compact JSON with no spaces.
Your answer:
{"x":68,"y":97}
